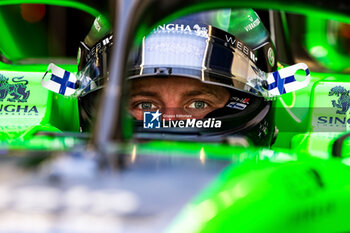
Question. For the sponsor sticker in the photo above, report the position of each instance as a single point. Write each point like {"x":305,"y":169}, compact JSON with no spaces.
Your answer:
{"x":196,"y":29}
{"x":237,"y":44}
{"x":236,"y":105}
{"x":331,"y":107}
{"x":19,"y":110}
{"x":271,"y":57}
{"x":14,"y":94}
{"x":15,"y":91}
{"x":240,"y":100}
{"x":253,"y":24}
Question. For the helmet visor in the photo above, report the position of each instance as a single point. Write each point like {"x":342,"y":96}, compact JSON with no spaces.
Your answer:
{"x":199,"y":51}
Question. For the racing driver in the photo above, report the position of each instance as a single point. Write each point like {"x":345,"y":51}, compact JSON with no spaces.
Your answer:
{"x":198,"y":67}
{"x":206,"y":76}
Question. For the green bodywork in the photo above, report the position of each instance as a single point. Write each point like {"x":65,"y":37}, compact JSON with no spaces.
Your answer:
{"x":40,"y":110}
{"x":261,"y":190}
{"x":294,"y":186}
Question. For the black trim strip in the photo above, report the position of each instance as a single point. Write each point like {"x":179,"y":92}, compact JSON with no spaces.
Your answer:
{"x":337,"y":145}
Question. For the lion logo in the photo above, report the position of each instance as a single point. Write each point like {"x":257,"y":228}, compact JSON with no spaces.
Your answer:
{"x":344,"y":100}
{"x":18,"y":90}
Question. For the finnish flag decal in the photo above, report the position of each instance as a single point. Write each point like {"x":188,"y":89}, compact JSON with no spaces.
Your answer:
{"x":283,"y":81}
{"x":61,"y":81}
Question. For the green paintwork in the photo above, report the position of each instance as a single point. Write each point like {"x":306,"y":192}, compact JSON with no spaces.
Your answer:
{"x":298,"y":116}
{"x":282,"y":189}
{"x":298,"y":6}
{"x":289,"y":191}
{"x":43,"y":110}
{"x":14,"y":45}
{"x":66,"y":3}
{"x":261,"y":190}
{"x":296,"y":112}
{"x":295,"y":196}
{"x":324,"y":49}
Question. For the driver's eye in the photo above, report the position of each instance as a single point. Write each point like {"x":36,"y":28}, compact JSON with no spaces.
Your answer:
{"x":146,"y":105}
{"x":198,"y":105}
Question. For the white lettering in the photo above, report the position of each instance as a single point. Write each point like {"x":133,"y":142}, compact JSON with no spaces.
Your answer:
{"x":179,"y":27}
{"x":164,"y":124}
{"x":161,"y":27}
{"x":188,"y":28}
{"x":199,"y":124}
{"x":149,"y":125}
{"x":170,"y":27}
{"x":252,"y":25}
{"x":206,"y":123}
{"x":230,"y":40}
{"x":239,"y":45}
{"x":181,"y":124}
{"x":246,"y":50}
{"x":190,"y":122}
{"x":174,"y":123}
{"x":252,"y":56}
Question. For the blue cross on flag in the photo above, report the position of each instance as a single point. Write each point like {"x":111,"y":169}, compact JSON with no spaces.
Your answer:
{"x":283,"y":81}
{"x":61,"y":81}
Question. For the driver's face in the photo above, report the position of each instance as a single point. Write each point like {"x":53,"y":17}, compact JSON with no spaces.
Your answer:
{"x":175,"y":97}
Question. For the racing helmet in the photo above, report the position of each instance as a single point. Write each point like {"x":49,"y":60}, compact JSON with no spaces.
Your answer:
{"x":93,"y":70}
{"x":226,"y":48}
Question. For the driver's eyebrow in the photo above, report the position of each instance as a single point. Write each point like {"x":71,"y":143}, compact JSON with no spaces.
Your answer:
{"x":205,"y":91}
{"x":145,"y":93}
